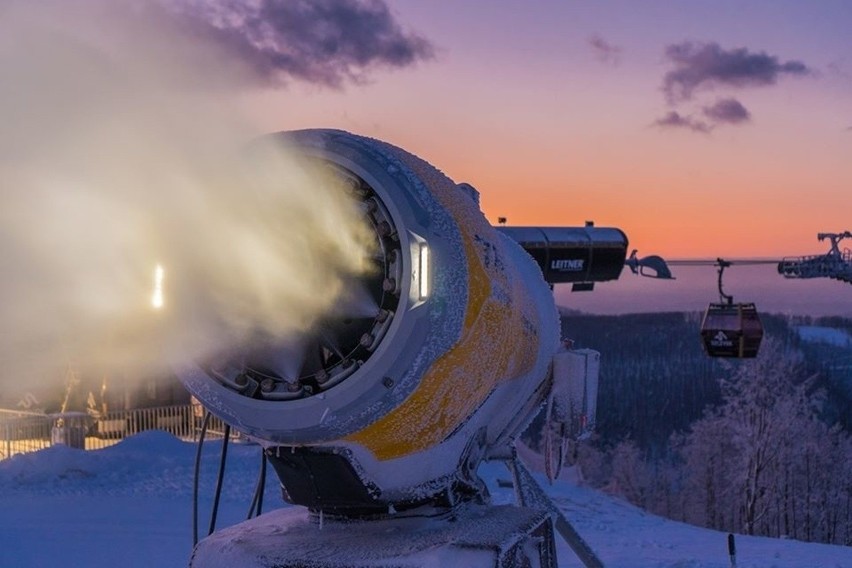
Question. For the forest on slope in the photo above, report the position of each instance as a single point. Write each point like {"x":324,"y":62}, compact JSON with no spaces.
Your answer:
{"x":655,"y":378}
{"x":758,"y":446}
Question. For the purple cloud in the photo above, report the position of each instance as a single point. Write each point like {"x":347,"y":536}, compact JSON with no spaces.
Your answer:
{"x":326,"y":42}
{"x":604,"y":51}
{"x":707,"y":65}
{"x":729,"y":111}
{"x":674,"y":119}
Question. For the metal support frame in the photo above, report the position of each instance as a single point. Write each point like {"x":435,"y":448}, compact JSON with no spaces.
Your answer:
{"x":721,"y":266}
{"x":529,"y":493}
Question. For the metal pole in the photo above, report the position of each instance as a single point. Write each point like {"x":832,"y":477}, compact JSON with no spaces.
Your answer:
{"x":530,"y":494}
{"x":723,"y":298}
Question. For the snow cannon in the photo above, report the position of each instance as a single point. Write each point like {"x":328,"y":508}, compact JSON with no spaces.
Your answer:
{"x":391,"y":404}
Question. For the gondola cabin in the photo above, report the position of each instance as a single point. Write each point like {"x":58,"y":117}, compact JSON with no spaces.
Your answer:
{"x":731,"y":330}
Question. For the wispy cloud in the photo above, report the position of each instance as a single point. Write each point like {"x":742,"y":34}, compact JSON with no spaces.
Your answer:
{"x":604,"y":51}
{"x":727,"y":111}
{"x":674,"y":119}
{"x":707,"y":65}
{"x":326,"y":42}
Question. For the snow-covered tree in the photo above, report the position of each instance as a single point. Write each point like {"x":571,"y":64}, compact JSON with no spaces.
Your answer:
{"x":763,"y":462}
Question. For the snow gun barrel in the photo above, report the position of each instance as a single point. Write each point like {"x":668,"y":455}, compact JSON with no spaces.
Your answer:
{"x":393,"y":405}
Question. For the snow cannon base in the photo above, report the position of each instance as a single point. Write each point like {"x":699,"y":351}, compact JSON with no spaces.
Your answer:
{"x":472,"y":535}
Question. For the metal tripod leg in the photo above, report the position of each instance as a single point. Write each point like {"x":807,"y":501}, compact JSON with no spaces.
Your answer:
{"x":530,"y":494}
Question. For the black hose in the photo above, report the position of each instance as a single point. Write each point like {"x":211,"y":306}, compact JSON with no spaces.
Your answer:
{"x":219,"y":478}
{"x":201,"y":436}
{"x":257,"y":498}
{"x":262,"y":483}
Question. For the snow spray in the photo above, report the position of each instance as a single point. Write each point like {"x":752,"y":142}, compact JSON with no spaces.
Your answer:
{"x":131,"y":221}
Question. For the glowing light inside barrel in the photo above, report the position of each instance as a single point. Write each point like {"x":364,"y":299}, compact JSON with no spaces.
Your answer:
{"x":424,"y":271}
{"x":157,"y":296}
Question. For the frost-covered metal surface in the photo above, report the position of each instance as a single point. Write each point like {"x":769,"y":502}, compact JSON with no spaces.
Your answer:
{"x":530,"y":493}
{"x":475,"y":537}
{"x":575,"y":391}
{"x":392,"y":372}
{"x":457,"y":371}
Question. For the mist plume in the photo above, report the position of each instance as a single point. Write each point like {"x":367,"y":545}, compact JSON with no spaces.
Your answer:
{"x":121,"y":152}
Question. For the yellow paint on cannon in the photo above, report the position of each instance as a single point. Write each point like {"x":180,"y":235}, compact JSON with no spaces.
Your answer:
{"x":463,"y":378}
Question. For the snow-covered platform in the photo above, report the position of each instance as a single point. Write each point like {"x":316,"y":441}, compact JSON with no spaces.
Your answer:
{"x":473,"y":536}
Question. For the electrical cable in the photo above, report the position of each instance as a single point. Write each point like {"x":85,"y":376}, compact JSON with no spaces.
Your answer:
{"x":201,"y":436}
{"x":257,"y":498}
{"x":257,"y":501}
{"x":262,"y":483}
{"x":219,"y":478}
{"x":715,"y":262}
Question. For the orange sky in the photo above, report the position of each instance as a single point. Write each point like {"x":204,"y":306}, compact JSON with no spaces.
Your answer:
{"x":518,"y":103}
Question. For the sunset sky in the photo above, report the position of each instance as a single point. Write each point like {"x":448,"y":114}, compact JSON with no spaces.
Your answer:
{"x":701,"y":129}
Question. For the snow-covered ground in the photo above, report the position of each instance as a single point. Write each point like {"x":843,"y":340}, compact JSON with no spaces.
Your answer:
{"x":131,"y":505}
